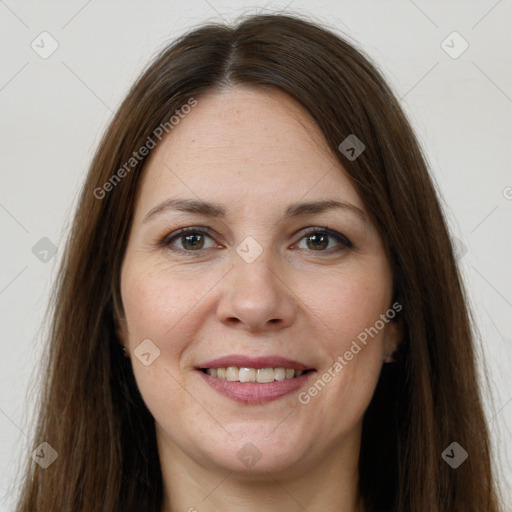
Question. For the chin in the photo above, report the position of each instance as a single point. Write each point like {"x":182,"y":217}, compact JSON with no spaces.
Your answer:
{"x":257,"y":456}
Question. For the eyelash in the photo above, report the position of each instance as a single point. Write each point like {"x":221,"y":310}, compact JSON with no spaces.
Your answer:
{"x":344,"y":242}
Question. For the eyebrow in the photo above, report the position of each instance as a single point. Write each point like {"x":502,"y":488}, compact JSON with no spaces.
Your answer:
{"x":209,"y":209}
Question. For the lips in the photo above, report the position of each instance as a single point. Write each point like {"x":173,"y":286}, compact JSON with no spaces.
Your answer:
{"x":254,"y":392}
{"x":242,"y":361}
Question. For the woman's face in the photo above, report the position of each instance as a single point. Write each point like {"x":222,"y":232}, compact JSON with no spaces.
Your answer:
{"x":251,"y":286}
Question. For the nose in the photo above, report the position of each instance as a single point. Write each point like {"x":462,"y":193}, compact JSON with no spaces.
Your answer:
{"x":255,"y":296}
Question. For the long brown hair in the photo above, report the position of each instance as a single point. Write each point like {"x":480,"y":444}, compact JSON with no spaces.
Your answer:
{"x":91,"y":411}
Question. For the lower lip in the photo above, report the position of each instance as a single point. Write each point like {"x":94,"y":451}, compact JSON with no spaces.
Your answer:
{"x":255,"y":393}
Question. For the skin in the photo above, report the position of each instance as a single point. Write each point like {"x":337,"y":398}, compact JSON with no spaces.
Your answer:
{"x":256,"y":151}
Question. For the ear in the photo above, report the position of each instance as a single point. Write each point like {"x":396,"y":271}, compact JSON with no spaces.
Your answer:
{"x":392,"y":339}
{"x":121,"y":331}
{"x":122,"y":336}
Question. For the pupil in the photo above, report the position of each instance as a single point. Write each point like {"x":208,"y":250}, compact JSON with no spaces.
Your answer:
{"x":318,"y":240}
{"x":188,"y":237}
{"x":316,"y":244}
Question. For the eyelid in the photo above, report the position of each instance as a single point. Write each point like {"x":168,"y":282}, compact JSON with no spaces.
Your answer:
{"x":166,"y":240}
{"x":340,"y":237}
{"x":343,"y":241}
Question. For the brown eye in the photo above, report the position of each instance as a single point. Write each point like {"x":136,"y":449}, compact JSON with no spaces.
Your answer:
{"x":195,"y":241}
{"x":191,"y":239}
{"x":318,"y":240}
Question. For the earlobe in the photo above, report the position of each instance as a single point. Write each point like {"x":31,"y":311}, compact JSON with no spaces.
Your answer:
{"x":121,"y":329}
{"x":392,"y":340}
{"x":121,"y":333}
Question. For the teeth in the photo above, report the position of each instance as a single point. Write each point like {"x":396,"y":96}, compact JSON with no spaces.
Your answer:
{"x":265,"y":375}
{"x":246,"y":375}
{"x":261,"y":375}
{"x":232,"y":373}
{"x":279,"y":373}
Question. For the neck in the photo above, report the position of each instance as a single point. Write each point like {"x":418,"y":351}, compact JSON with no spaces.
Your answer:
{"x":330,"y":485}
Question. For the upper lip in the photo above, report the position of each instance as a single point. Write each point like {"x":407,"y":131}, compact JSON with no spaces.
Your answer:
{"x":242,"y":361}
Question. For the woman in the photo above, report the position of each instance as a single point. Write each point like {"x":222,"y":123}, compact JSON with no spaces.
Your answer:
{"x":259,"y":306}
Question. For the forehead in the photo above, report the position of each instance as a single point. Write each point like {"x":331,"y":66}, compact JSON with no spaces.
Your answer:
{"x":245,"y":147}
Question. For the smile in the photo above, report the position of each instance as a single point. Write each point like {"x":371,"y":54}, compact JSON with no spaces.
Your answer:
{"x":260,"y":375}
{"x":237,"y":383}
{"x":254,"y":380}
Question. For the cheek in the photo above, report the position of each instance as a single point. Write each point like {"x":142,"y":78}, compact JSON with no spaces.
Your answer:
{"x":348,"y":310}
{"x":350,"y":303}
{"x":166,"y":305}
{"x":160,"y":304}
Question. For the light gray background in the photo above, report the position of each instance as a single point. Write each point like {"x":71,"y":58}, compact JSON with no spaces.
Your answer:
{"x":54,"y":110}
